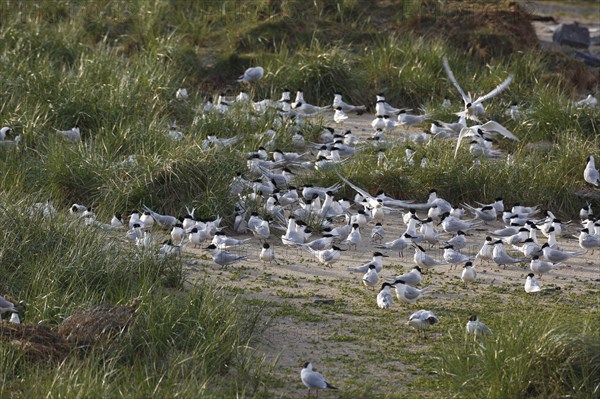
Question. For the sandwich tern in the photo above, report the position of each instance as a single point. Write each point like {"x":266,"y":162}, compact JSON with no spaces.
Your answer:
{"x":590,"y":173}
{"x":540,"y":267}
{"x":73,"y":135}
{"x":377,"y":233}
{"x":476,"y":327}
{"x":454,"y":257}
{"x":458,"y":241}
{"x":377,"y":261}
{"x":555,"y":256}
{"x":450,"y":224}
{"x":529,"y":248}
{"x":486,"y":213}
{"x":339,"y":116}
{"x":407,"y":119}
{"x":313,"y":380}
{"x":480,"y":133}
{"x":428,"y":232}
{"x":135,"y":232}
{"x":168,"y":248}
{"x":468,"y":272}
{"x":116,"y":221}
{"x":178,"y":233}
{"x":6,"y":306}
{"x":147,"y":220}
{"x":266,"y":253}
{"x":181,"y":94}
{"x":354,"y":238}
{"x":422,"y":319}
{"x":327,"y":256}
{"x":371,"y":277}
{"x":589,"y":101}
{"x":474,"y":108}
{"x":320,"y":243}
{"x":378,"y":123}
{"x":531,"y":284}
{"x":411,"y":278}
{"x":14,"y":318}
{"x":586,"y":211}
{"x":252,"y":75}
{"x":501,"y":258}
{"x":384,"y":297}
{"x":197,"y":236}
{"x":407,"y":294}
{"x":382,"y":107}
{"x":165,"y":221}
{"x":339,"y":103}
{"x":518,"y":237}
{"x":486,"y":252}
{"x":222,"y":257}
{"x":423,"y":260}
{"x":397,"y":245}
{"x":588,"y":241}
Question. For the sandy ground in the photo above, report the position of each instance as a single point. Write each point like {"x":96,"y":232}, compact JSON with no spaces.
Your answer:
{"x":298,"y":329}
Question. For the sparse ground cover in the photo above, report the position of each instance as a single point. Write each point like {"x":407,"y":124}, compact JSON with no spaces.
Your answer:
{"x":113,"y":68}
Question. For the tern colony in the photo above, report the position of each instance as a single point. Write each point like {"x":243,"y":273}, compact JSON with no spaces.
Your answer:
{"x":271,"y":206}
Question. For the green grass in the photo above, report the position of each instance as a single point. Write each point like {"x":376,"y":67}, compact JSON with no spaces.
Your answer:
{"x":543,"y":354}
{"x":112,"y":68}
{"x":58,"y":266}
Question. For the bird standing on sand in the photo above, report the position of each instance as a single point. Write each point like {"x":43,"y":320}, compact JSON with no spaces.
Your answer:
{"x":422,"y":319}
{"x":384,"y":298}
{"x":313,"y":380}
{"x":531,"y":284}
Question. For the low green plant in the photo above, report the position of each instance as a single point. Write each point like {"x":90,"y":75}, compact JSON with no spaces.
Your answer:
{"x":543,"y":354}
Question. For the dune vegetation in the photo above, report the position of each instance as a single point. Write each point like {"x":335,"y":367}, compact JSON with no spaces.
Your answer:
{"x":112,"y":69}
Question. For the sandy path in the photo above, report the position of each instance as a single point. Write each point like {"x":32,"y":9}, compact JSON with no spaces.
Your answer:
{"x":338,"y":337}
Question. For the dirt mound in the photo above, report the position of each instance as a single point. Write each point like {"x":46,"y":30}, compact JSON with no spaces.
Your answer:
{"x":96,"y":327}
{"x":36,"y":341}
{"x":483,"y":29}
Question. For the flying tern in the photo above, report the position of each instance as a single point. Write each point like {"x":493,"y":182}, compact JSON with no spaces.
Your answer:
{"x":474,"y":108}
